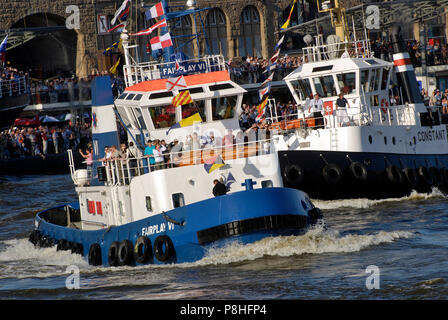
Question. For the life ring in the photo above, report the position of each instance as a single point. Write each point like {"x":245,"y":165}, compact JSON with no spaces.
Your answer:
{"x":142,"y":249}
{"x":425,"y":175}
{"x":384,"y":105}
{"x":95,"y":254}
{"x":394,"y":174}
{"x":293,"y":174}
{"x":112,"y":254}
{"x":411,"y":176}
{"x":358,"y":171}
{"x":332,"y":173}
{"x":163,"y":248}
{"x":437,"y":178}
{"x":125,"y":253}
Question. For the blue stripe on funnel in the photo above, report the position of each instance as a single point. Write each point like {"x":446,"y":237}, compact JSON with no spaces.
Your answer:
{"x":102,"y":91}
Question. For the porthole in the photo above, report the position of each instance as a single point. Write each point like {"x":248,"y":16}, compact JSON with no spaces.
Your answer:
{"x":370,"y":139}
{"x":393,"y":140}
{"x":385,"y":140}
{"x":415,"y":140}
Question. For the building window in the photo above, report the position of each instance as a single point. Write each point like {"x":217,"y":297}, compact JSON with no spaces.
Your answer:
{"x":250,"y":40}
{"x":216,"y":28}
{"x":178,"y":200}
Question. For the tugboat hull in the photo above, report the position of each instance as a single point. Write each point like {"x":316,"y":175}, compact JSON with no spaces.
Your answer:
{"x":183,"y":234}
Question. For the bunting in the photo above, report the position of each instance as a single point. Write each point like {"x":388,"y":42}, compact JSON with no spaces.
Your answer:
{"x":213,"y":164}
{"x":160,"y":24}
{"x":178,"y":83}
{"x":119,"y":11}
{"x":116,"y":44}
{"x":195,"y":118}
{"x":261,"y":109}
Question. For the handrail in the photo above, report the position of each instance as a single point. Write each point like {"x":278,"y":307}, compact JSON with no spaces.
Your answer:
{"x":144,"y":71}
{"x":121,"y":171}
{"x":13,"y":87}
{"x":330,"y":51}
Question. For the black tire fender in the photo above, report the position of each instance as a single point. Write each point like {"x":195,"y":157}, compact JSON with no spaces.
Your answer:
{"x":95,"y":254}
{"x":394,"y":174}
{"x":293,"y":174}
{"x":332,"y":174}
{"x":142,"y":249}
{"x":125,"y":253}
{"x":112,"y":254}
{"x":358,"y":171}
{"x":163,"y":248}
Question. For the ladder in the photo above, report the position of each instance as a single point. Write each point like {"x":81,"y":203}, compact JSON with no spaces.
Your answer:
{"x":333,"y":139}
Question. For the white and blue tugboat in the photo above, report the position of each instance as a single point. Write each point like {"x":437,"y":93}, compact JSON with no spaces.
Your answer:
{"x":365,"y":145}
{"x":133,"y":212}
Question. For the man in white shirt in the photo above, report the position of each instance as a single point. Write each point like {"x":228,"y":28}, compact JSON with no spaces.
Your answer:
{"x":316,"y":108}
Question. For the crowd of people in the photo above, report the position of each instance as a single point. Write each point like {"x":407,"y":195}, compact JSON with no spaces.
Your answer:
{"x":42,"y":140}
{"x":251,"y":69}
{"x":66,"y":89}
{"x":437,"y":99}
{"x":11,"y":81}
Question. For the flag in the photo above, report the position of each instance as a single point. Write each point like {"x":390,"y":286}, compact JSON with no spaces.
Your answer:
{"x":262,"y":92}
{"x":155,"y":11}
{"x":161,"y":42}
{"x":114,"y":45}
{"x":261,"y":108}
{"x":178,"y":83}
{"x":274,"y":58}
{"x":3,"y":49}
{"x":182,"y":98}
{"x":121,"y":25}
{"x":286,"y":24}
{"x":269,"y":79}
{"x":177,"y":65}
{"x":161,"y":23}
{"x":213,"y":164}
{"x":230,"y":179}
{"x":186,"y":122}
{"x":279,"y":43}
{"x":124,"y":15}
{"x":271,"y":67}
{"x":119,"y":11}
{"x":113,"y":69}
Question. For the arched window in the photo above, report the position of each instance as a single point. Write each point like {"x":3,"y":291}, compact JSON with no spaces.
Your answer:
{"x":216,"y":28}
{"x":181,"y":30}
{"x":250,"y":40}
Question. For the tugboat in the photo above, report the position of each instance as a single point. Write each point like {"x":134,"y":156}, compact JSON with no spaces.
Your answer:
{"x":133,"y":211}
{"x":370,"y":148}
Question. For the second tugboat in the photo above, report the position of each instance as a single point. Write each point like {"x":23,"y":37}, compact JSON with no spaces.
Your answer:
{"x":348,"y":140}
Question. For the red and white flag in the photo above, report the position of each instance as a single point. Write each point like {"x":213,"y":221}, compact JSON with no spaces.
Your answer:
{"x":155,"y":11}
{"x":117,"y":13}
{"x":177,"y":83}
{"x":161,"y":42}
{"x":160,"y":24}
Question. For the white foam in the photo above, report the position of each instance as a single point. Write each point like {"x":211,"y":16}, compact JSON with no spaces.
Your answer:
{"x":364,"y":203}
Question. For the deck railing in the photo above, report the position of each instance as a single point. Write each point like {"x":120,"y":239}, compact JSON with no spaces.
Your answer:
{"x":322,"y":52}
{"x":121,"y":171}
{"x":15,"y":87}
{"x":145,"y":71}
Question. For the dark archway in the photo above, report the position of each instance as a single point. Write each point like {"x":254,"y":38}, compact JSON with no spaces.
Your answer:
{"x":46,"y":55}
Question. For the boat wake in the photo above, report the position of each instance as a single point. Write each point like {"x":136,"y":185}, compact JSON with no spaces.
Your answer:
{"x":20,"y":259}
{"x":364,"y":203}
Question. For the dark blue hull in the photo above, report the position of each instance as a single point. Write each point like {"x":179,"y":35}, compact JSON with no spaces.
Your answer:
{"x":183,"y":234}
{"x":331,"y":175}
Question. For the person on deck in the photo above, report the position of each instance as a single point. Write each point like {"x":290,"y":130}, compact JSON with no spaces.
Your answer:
{"x":316,"y":108}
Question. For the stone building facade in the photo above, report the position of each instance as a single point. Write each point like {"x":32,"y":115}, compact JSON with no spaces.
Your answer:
{"x":236,"y":27}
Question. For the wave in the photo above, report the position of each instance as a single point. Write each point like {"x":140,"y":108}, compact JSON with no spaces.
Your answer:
{"x":364,"y":203}
{"x":21,"y":259}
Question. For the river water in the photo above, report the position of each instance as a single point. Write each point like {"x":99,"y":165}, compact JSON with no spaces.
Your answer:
{"x":386,"y":249}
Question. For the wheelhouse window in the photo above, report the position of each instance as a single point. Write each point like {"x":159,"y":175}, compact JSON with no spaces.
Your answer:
{"x":347,"y":82}
{"x":303,"y":88}
{"x":190,"y":109}
{"x":223,"y":108}
{"x":163,"y":117}
{"x":124,"y":116}
{"x":139,"y":116}
{"x":365,"y":80}
{"x":325,"y":86}
{"x":384,"y":78}
{"x":375,"y":80}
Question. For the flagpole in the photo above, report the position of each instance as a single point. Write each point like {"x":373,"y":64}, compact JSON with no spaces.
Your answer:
{"x":167,"y":52}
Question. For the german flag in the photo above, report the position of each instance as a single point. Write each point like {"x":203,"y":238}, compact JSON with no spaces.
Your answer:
{"x":182,"y":98}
